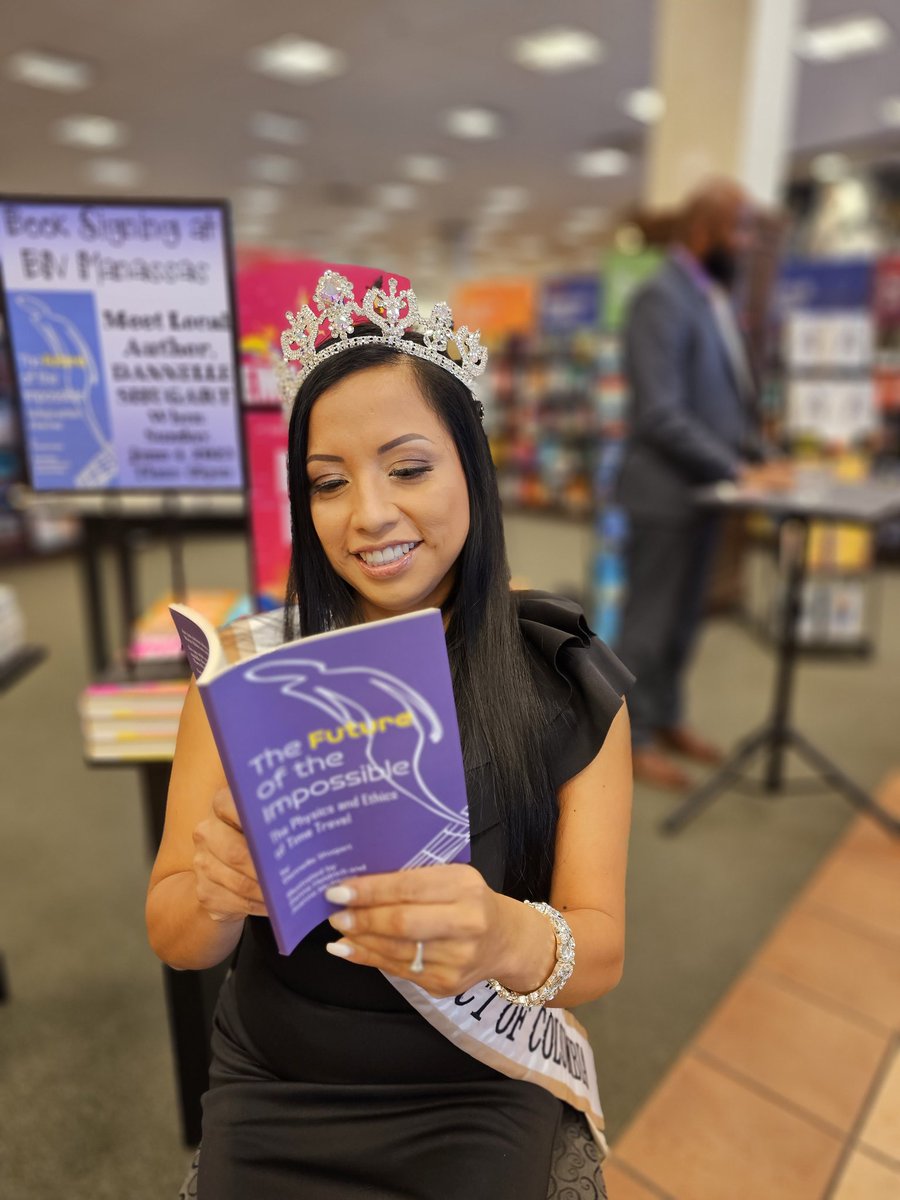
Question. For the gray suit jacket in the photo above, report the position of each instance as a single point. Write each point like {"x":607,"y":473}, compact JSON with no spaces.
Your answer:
{"x":688,"y":422}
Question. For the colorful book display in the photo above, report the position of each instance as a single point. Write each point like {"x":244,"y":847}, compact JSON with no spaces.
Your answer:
{"x":154,"y":638}
{"x":341,"y":751}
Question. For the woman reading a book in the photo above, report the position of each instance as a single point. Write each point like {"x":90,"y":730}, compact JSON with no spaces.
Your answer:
{"x":416,"y":1045}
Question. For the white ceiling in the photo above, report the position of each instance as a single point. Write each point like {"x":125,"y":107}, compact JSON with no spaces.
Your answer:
{"x":176,"y":72}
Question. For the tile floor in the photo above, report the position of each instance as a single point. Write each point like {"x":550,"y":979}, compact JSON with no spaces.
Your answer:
{"x":791,"y":1090}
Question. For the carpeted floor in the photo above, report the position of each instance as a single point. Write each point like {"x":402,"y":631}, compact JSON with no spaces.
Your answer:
{"x":87,"y":1101}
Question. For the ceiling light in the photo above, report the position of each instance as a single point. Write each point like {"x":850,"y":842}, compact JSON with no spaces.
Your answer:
{"x":396,"y":197}
{"x":582,"y":222}
{"x":251,"y":231}
{"x":644,"y":104}
{"x":99,"y":133}
{"x":48,"y":71}
{"x":425,"y":168}
{"x":601,"y":164}
{"x":558,"y":49}
{"x":890,"y":110}
{"x":114,"y":172}
{"x":278,"y":127}
{"x":274,"y":168}
{"x":829,"y":168}
{"x":843,"y":39}
{"x":508,"y":199}
{"x":474,"y":123}
{"x":259,"y":201}
{"x":365,"y":223}
{"x":297,"y":60}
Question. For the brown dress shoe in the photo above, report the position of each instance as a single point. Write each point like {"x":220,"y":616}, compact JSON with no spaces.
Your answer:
{"x":653,"y":767}
{"x":683,"y":741}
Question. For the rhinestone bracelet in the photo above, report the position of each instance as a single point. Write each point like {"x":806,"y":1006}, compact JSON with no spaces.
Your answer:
{"x":565,"y":963}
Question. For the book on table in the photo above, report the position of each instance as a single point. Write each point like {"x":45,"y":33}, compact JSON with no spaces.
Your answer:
{"x":131,"y":721}
{"x":154,"y":639}
{"x":341,"y":751}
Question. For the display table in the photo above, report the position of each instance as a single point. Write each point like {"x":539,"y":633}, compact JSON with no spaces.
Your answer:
{"x":190,"y":995}
{"x":813,"y":499}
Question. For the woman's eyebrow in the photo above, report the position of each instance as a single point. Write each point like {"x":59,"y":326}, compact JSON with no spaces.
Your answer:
{"x":406,"y":437}
{"x":399,"y":441}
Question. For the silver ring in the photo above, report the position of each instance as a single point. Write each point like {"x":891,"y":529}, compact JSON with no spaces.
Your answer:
{"x":418,"y":963}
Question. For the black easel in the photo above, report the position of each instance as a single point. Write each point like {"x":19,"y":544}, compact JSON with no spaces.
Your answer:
{"x":778,"y":734}
{"x":190,"y":995}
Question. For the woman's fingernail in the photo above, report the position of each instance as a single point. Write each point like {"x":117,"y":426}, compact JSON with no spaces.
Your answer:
{"x":342,"y":921}
{"x":340,"y":949}
{"x":340,"y":894}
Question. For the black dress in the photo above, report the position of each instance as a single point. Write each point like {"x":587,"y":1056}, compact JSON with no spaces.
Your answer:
{"x":326,"y":1084}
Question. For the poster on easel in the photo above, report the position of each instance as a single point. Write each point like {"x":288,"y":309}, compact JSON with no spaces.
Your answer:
{"x":121,"y":329}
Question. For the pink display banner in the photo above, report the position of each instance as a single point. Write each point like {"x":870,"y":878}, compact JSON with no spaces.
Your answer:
{"x":267,"y":289}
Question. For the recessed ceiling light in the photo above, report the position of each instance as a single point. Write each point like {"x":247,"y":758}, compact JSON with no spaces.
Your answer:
{"x":425,"y":168}
{"x":297,"y":60}
{"x":114,"y":172}
{"x":259,"y":201}
{"x":251,"y":231}
{"x":99,"y":133}
{"x":890,"y":110}
{"x":278,"y":127}
{"x":558,"y":49}
{"x":508,"y":199}
{"x":474,"y":123}
{"x":644,"y":104}
{"x":48,"y":71}
{"x":829,"y":168}
{"x":274,"y":168}
{"x":396,"y":197}
{"x":835,"y":40}
{"x":601,"y":164}
{"x":583,"y":221}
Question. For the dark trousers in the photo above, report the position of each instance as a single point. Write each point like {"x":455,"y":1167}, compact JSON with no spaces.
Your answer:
{"x":668,"y":566}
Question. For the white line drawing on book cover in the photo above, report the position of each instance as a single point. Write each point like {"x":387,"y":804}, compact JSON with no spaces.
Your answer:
{"x":297,"y":679}
{"x":63,"y":339}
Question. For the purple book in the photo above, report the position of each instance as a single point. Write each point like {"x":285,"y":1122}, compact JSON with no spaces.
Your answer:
{"x":342,"y":753}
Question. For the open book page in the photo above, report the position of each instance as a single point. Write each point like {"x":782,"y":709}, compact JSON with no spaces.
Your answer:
{"x":342,"y":753}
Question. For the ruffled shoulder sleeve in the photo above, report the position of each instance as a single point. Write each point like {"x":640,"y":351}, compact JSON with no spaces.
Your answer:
{"x":582,"y":682}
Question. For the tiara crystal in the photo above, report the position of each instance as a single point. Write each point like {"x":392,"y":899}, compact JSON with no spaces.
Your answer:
{"x":395,"y":313}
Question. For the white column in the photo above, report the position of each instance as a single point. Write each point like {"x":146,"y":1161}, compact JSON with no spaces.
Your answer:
{"x":727,"y":70}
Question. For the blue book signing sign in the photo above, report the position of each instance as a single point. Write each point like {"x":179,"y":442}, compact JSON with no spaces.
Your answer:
{"x":121,"y":330}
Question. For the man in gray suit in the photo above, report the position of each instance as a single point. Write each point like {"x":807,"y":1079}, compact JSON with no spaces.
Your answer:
{"x":692,"y":420}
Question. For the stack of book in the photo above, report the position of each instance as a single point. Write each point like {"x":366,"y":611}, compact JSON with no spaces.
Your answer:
{"x":131,"y":722}
{"x":12,"y":626}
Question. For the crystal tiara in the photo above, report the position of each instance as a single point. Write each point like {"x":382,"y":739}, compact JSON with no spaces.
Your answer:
{"x":393,"y":313}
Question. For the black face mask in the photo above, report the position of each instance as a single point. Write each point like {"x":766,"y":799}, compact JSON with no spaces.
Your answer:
{"x":721,"y":265}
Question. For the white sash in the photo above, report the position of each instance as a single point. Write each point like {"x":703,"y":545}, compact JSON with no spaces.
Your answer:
{"x":546,"y":1046}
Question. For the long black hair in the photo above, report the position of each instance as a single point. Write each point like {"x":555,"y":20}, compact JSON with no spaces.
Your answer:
{"x":500,"y":714}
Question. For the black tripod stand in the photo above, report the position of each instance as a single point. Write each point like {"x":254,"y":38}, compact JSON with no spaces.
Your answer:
{"x":777,"y":734}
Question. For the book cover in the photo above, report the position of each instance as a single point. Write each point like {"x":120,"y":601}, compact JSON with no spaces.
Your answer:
{"x":342,"y":753}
